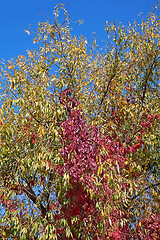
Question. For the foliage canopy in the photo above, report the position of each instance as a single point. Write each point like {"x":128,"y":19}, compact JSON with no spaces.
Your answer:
{"x":79,"y":135}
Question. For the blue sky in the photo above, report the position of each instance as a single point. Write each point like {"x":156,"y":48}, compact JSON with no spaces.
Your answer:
{"x":17,"y":15}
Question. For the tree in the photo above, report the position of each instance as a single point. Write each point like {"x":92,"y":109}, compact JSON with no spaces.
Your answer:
{"x":79,"y":143}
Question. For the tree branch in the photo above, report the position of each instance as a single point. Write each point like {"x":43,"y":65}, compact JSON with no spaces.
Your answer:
{"x":49,"y":188}
{"x":147,"y":77}
{"x":32,"y":196}
{"x":146,"y":188}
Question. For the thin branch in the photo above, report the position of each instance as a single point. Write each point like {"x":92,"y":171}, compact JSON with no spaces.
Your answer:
{"x":69,"y":71}
{"x":112,"y":77}
{"x":147,"y":78}
{"x":38,"y":121}
{"x":49,"y":188}
{"x":134,"y":133}
{"x":146,"y":188}
{"x":32,"y":196}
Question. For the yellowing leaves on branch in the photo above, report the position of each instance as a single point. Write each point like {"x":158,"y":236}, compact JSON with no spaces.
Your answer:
{"x":80,"y":134}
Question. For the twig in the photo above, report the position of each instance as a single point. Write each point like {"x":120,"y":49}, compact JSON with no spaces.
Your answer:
{"x":146,"y":188}
{"x":31,"y":195}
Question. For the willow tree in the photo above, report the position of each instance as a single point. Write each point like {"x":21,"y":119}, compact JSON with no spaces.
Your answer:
{"x":79,"y":143}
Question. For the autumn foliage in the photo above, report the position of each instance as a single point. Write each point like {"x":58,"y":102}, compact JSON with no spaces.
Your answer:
{"x":79,"y":135}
